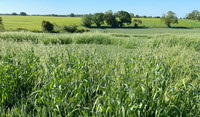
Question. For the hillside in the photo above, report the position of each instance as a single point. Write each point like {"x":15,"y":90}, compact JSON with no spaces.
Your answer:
{"x":34,"y":22}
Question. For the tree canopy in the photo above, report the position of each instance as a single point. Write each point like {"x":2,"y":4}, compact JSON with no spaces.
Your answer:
{"x":87,"y":20}
{"x":22,"y":13}
{"x":98,"y":19}
{"x":110,"y":18}
{"x":124,"y":17}
{"x":72,"y":15}
{"x":47,"y":26}
{"x":170,"y":18}
{"x":195,"y":14}
{"x":137,"y":22}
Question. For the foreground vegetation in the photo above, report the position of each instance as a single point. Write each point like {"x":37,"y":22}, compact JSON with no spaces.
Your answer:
{"x":99,"y":74}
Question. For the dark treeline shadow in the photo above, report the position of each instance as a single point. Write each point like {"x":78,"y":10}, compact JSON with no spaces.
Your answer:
{"x":129,"y":27}
{"x":180,"y":27}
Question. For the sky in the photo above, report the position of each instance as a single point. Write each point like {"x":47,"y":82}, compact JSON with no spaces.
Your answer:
{"x":63,"y":7}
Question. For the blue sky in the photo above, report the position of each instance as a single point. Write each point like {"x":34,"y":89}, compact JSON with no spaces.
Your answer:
{"x":141,"y":7}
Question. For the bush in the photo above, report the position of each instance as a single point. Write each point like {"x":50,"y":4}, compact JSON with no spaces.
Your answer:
{"x":1,"y":24}
{"x":47,"y":26}
{"x":137,"y":22}
{"x":70,"y":28}
{"x":21,"y":29}
{"x":74,"y":29}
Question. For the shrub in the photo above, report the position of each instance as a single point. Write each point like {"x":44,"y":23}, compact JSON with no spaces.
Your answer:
{"x":1,"y":24}
{"x":74,"y":29}
{"x":47,"y":26}
{"x":21,"y":29}
{"x":137,"y":22}
{"x":70,"y":28}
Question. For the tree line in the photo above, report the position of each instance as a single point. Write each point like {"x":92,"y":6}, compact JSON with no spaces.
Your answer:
{"x":118,"y":19}
{"x":194,"y":15}
{"x":121,"y":18}
{"x":114,"y":20}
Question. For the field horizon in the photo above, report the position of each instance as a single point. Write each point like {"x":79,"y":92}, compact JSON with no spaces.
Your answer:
{"x":33,"y":23}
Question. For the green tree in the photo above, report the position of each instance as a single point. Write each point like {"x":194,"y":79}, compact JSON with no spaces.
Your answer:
{"x":72,"y":15}
{"x":124,"y":17}
{"x":137,"y":22}
{"x":1,"y":24}
{"x":23,"y":13}
{"x":110,"y":18}
{"x":170,"y":18}
{"x":47,"y":26}
{"x":98,"y":19}
{"x":87,"y":20}
{"x":132,"y":15}
{"x":194,"y":15}
{"x":14,"y":13}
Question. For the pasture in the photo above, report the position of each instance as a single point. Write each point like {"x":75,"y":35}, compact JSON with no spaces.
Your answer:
{"x":33,"y":23}
{"x":106,"y":72}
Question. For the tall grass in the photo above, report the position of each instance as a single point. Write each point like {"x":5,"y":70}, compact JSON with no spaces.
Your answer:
{"x":86,"y":38}
{"x":159,"y":77}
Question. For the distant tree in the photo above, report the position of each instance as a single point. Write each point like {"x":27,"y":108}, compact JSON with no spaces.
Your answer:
{"x":72,"y":15}
{"x":47,"y":26}
{"x":55,"y":15}
{"x":137,"y":16}
{"x":124,"y":17}
{"x":14,"y":13}
{"x":149,"y":17}
{"x":137,"y":22}
{"x":132,"y":15}
{"x":198,"y":18}
{"x":170,"y":18}
{"x":1,"y":24}
{"x":110,"y":18}
{"x":87,"y":20}
{"x":144,"y":16}
{"x":193,"y":15}
{"x":98,"y":19}
{"x":23,"y":13}
{"x":157,"y":17}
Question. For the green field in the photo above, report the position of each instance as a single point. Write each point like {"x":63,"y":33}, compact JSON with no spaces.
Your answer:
{"x":34,"y":22}
{"x":106,"y":72}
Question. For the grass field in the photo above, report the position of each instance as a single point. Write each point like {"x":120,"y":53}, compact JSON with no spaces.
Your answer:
{"x":106,"y":72}
{"x":34,"y":22}
{"x":192,"y":31}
